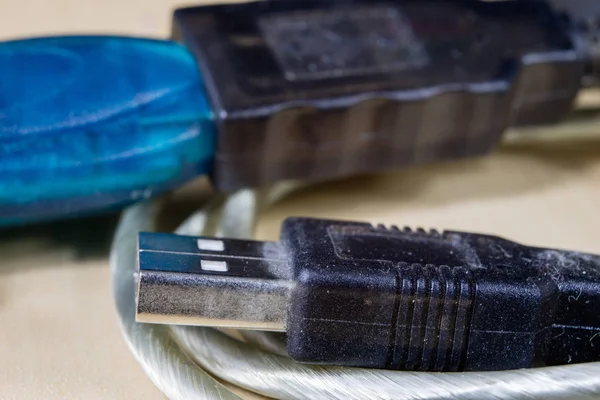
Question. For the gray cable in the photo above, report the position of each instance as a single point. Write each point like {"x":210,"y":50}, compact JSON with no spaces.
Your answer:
{"x":182,"y":360}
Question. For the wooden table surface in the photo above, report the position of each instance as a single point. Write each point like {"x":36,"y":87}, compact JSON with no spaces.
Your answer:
{"x":59,"y":336}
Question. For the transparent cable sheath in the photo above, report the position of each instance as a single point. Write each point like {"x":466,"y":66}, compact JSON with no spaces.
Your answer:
{"x":182,"y":361}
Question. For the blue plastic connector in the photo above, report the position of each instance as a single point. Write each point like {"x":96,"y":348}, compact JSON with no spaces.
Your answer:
{"x":92,"y":123}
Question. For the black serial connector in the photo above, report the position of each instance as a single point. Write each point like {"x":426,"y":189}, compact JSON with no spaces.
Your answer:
{"x":349,"y":293}
{"x":318,"y":89}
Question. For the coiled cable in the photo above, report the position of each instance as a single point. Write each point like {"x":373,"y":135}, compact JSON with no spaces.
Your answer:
{"x":205,"y":363}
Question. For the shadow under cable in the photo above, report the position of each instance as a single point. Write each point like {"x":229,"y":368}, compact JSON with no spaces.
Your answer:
{"x":63,"y":242}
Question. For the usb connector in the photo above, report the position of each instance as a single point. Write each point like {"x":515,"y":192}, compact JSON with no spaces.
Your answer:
{"x":348,"y":293}
{"x":204,"y":281}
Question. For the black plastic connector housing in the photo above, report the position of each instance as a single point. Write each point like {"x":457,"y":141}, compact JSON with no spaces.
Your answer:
{"x":351,"y":294}
{"x":315,"y":89}
{"x":417,"y":300}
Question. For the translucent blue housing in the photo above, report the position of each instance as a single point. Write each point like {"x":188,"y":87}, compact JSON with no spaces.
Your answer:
{"x":89,"y":123}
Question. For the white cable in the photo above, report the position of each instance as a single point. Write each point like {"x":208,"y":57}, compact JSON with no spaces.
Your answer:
{"x":182,"y":360}
{"x":171,"y":370}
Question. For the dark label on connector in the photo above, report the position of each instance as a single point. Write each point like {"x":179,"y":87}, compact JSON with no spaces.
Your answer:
{"x":362,"y":242}
{"x":340,"y":42}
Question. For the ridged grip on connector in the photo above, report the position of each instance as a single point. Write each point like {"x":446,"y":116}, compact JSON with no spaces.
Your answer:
{"x":433,"y":314}
{"x":89,"y":123}
{"x":367,"y":135}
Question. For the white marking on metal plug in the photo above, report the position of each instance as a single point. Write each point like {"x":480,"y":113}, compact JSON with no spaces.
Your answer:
{"x":215,"y":266}
{"x":210,"y":244}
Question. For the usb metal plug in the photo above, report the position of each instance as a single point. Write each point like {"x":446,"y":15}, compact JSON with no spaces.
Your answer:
{"x":185,"y":280}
